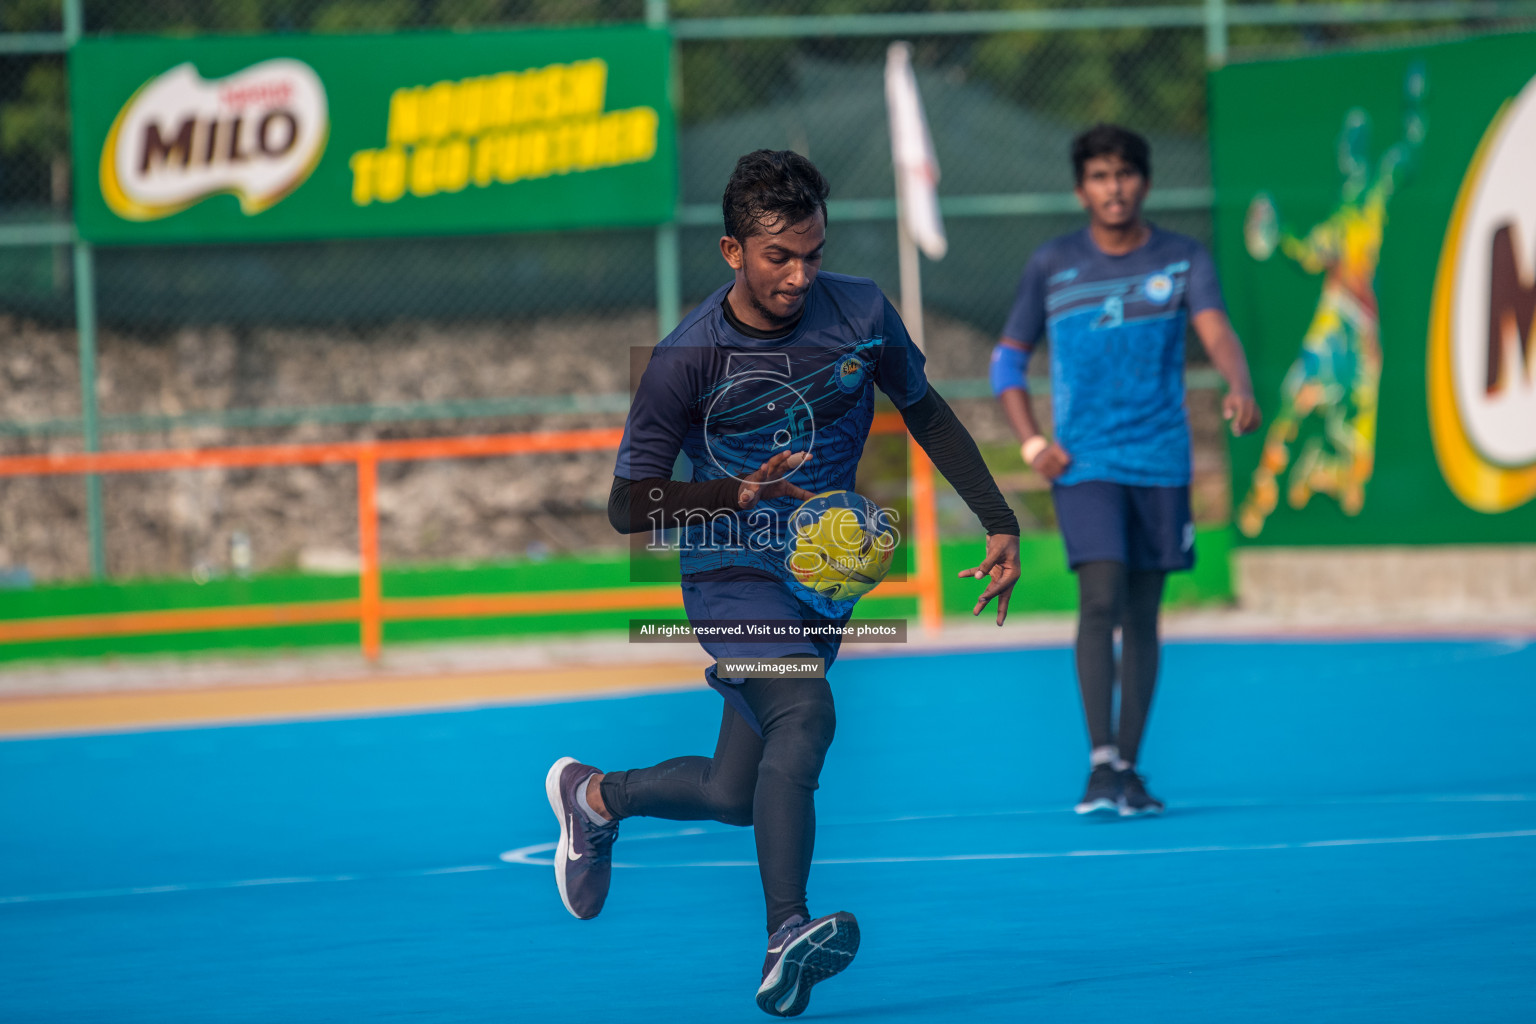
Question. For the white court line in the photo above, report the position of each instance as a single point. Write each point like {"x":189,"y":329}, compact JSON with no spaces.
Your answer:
{"x":1224,"y":804}
{"x":150,"y":890}
{"x":526,"y":855}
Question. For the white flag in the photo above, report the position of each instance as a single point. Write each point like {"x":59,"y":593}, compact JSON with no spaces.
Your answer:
{"x":917,"y":168}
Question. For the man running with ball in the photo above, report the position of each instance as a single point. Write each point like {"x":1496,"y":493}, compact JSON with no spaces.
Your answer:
{"x":768,"y":388}
{"x":1114,"y":299}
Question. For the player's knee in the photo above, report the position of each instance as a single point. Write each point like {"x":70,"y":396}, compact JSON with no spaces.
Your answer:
{"x":1099,"y":607}
{"x":823,"y":724}
{"x":799,"y":742}
{"x":814,"y":722}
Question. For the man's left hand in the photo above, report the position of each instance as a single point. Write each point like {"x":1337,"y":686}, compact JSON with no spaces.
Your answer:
{"x":1242,"y":411}
{"x":772,"y":480}
{"x":1002,"y":565}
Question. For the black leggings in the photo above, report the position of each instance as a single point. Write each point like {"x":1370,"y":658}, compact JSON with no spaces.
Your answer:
{"x":767,"y":782}
{"x":1110,"y":596}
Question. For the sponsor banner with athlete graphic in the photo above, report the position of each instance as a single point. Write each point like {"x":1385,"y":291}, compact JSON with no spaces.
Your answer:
{"x":1376,"y":235}
{"x":292,"y":137}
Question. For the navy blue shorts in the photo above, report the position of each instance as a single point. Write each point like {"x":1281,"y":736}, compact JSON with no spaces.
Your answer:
{"x":1141,"y":527}
{"x":754,"y":600}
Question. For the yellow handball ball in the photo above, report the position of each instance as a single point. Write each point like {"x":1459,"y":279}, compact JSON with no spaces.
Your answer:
{"x":841,"y":545}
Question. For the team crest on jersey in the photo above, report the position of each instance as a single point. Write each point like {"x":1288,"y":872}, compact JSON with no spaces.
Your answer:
{"x":1159,"y":288}
{"x":850,"y":373}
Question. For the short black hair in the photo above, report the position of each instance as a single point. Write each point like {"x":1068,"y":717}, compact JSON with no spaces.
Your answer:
{"x":1111,"y":140}
{"x":769,"y":185}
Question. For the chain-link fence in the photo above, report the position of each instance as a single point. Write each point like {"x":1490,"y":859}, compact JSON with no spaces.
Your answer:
{"x":245,"y":343}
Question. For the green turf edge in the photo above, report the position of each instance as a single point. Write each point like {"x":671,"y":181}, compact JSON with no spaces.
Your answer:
{"x":1046,"y":587}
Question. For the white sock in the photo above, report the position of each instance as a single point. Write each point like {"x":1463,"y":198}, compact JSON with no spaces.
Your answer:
{"x":586,"y":808}
{"x":1122,"y":765}
{"x":1108,"y":754}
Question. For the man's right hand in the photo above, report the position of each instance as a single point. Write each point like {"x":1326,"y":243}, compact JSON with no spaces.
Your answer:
{"x":769,"y":481}
{"x":1052,"y":461}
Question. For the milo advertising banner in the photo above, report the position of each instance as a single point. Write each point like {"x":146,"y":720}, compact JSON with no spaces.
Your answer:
{"x":286,"y":137}
{"x":1376,"y":233}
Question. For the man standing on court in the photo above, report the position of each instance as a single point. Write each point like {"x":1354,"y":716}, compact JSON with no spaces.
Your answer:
{"x":768,"y":387}
{"x":1114,"y":300}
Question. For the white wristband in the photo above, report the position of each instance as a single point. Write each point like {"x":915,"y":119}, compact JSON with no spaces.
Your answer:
{"x":1032,"y":448}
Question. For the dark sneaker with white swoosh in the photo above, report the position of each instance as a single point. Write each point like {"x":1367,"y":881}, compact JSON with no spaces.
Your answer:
{"x":1134,"y":798}
{"x":584,"y":855}
{"x":1103,"y":792}
{"x":802,"y":953}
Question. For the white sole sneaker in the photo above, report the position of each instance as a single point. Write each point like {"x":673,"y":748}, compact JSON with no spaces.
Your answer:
{"x":563,"y":847}
{"x":825,"y":948}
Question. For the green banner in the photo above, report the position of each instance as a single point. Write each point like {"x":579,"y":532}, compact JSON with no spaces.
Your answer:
{"x":1376,"y":235}
{"x":291,"y":137}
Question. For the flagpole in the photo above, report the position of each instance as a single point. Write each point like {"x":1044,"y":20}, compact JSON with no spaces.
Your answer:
{"x":918,"y":226}
{"x":911,"y":276}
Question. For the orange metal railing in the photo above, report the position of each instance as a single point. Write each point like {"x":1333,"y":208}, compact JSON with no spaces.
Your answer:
{"x":371,"y":609}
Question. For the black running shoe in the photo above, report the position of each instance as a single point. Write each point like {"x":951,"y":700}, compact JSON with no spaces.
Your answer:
{"x":584,"y":855}
{"x":802,"y":953}
{"x":1134,"y":798}
{"x":1103,"y":793}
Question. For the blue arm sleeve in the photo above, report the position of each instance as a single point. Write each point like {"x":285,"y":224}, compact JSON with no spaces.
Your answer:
{"x":1009,"y":368}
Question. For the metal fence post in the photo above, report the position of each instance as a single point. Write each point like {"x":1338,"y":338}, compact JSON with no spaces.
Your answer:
{"x":1215,"y":32}
{"x":668,"y":274}
{"x":85,"y":329}
{"x":668,"y":280}
{"x":74,"y":20}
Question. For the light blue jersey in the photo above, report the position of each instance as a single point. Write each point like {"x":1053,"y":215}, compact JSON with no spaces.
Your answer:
{"x":1116,"y":327}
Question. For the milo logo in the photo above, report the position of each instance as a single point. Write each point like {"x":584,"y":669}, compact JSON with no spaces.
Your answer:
{"x":1482,"y":340}
{"x":181,"y":138}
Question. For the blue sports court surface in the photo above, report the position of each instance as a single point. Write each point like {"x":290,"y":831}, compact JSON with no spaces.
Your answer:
{"x":1351,"y":836}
